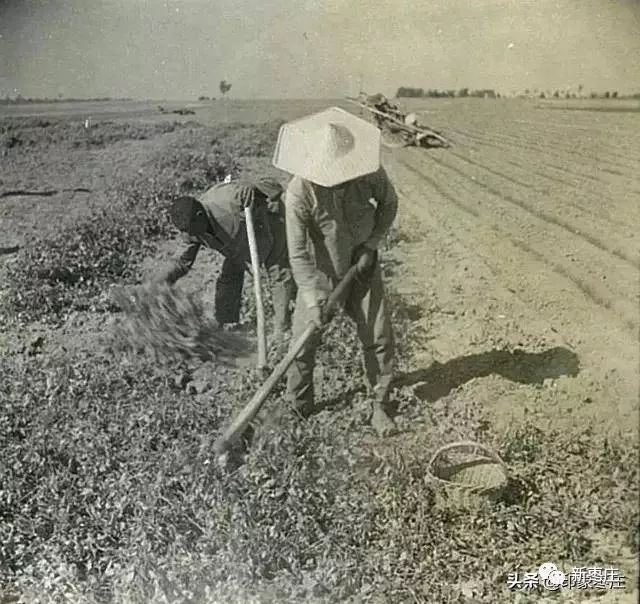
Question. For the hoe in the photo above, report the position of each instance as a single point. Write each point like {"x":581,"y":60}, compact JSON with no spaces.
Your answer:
{"x":246,"y":416}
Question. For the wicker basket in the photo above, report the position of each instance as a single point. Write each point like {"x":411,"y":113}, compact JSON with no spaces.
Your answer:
{"x":482,"y":477}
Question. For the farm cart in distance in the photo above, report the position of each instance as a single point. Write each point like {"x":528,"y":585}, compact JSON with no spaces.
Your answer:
{"x":398,"y":130}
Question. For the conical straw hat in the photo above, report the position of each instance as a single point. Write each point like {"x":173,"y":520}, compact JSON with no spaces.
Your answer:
{"x":328,"y":148}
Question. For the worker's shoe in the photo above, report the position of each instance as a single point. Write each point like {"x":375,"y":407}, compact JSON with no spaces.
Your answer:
{"x":381,"y":421}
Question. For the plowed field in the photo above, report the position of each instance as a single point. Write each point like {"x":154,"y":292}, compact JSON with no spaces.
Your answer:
{"x":514,"y":275}
{"x":528,"y":229}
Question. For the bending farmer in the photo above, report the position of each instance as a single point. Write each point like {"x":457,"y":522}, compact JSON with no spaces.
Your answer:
{"x":339,"y":207}
{"x":217,"y":221}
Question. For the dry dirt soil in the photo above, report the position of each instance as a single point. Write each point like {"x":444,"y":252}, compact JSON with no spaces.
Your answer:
{"x":523,"y":235}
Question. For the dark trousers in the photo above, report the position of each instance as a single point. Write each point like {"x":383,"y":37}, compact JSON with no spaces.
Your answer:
{"x":228,"y":297}
{"x":366,"y":305}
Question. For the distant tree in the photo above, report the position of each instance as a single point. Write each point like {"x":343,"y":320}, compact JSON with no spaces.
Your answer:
{"x":407,"y":92}
{"x":203,"y":98}
{"x":556,"y":94}
{"x":542,"y":95}
{"x":224,"y":87}
{"x":483,"y":93}
{"x":580,"y":88}
{"x":614,"y":94}
{"x":606,"y":95}
{"x":463,"y":92}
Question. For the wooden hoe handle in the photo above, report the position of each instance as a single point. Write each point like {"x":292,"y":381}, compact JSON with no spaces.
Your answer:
{"x":244,"y":418}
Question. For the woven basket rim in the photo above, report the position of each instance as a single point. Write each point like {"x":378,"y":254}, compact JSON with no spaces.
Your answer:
{"x":490,"y":455}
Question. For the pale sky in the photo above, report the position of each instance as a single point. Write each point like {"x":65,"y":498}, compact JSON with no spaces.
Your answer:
{"x":180,"y":49}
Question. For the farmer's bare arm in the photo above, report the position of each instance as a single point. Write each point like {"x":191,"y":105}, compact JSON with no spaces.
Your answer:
{"x":385,"y":195}
{"x":297,"y":220}
{"x":183,"y":264}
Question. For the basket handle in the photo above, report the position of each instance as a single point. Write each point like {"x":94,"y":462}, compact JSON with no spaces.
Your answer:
{"x":490,"y":453}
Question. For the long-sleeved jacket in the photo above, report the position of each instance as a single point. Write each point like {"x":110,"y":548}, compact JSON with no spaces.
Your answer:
{"x":325,"y":225}
{"x":224,"y":205}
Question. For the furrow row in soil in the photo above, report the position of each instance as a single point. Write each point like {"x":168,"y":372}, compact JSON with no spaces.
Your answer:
{"x":605,"y":346}
{"x":592,"y":144}
{"x":585,"y":169}
{"x":617,"y":166}
{"x":474,"y":325}
{"x":576,"y":259}
{"x":615,"y":142}
{"x":589,"y":126}
{"x":595,"y":193}
{"x":581,"y":231}
{"x":611,"y":198}
{"x":552,"y":209}
{"x":591,"y":207}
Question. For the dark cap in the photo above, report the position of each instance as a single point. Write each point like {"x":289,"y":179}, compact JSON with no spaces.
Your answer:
{"x":183,"y":210}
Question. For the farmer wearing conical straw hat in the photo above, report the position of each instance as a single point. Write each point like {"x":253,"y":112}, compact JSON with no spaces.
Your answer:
{"x":339,"y":206}
{"x":217,"y":221}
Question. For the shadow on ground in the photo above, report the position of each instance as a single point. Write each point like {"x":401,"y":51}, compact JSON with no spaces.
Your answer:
{"x":439,"y":379}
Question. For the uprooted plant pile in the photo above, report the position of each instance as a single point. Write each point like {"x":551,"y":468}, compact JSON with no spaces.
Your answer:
{"x":169,"y":324}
